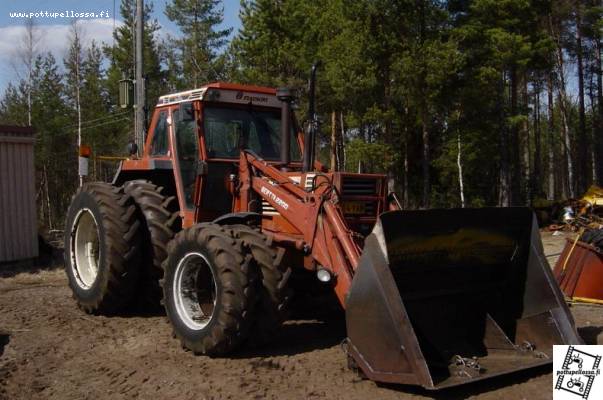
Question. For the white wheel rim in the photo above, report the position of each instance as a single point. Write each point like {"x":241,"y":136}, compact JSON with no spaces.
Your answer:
{"x":194,"y":291}
{"x":85,"y":244}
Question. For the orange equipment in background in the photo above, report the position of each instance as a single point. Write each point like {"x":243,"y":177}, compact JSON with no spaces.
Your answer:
{"x":579,"y":270}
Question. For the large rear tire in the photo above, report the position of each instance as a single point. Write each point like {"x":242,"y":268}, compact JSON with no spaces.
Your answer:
{"x":274,"y":275}
{"x":160,"y":220}
{"x":209,"y":289}
{"x":102,"y":248}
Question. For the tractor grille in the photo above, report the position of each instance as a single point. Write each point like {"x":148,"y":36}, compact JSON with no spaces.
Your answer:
{"x":359,"y":186}
{"x":360,"y":196}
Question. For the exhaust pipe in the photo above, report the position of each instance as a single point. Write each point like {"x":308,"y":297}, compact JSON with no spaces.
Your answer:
{"x":285,"y":95}
{"x":308,"y":161}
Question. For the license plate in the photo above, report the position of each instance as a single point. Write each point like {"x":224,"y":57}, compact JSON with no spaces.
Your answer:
{"x":353,"y":207}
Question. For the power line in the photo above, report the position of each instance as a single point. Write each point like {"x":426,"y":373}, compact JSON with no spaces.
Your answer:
{"x":105,"y":123}
{"x":65,"y":130}
{"x":121,"y":114}
{"x":107,"y":117}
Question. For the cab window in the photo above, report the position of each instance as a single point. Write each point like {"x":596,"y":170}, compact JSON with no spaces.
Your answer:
{"x":159,"y":147}
{"x":228,"y":130}
{"x":187,"y":149}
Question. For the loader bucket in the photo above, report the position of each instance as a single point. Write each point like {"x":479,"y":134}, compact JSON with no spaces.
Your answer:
{"x":446,"y":297}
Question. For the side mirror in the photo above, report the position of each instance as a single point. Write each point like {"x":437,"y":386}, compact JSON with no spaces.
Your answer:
{"x":132,"y":148}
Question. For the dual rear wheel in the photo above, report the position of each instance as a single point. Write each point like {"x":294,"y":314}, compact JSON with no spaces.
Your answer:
{"x":103,"y":245}
{"x":115,"y":241}
{"x":221,"y":285}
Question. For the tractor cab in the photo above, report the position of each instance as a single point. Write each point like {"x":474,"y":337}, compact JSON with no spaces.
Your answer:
{"x":196,"y":136}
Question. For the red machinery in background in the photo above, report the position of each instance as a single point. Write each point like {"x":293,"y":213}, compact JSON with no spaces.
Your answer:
{"x":579,"y":269}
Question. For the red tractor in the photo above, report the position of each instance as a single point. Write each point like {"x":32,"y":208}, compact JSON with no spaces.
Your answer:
{"x":227,"y":202}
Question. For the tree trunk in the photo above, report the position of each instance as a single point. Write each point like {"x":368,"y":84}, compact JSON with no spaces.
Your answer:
{"x":537,"y":171}
{"x":567,"y":147}
{"x":341,"y":145}
{"x":504,"y":199}
{"x":552,"y":193}
{"x":564,"y":113}
{"x":598,"y":139}
{"x":405,"y":196}
{"x":389,"y":137}
{"x":47,"y":198}
{"x":333,"y":141}
{"x":525,"y":145}
{"x":592,"y":148}
{"x":460,"y":168}
{"x":423,"y":110}
{"x":77,"y":95}
{"x":426,"y":179}
{"x":582,"y":161}
{"x":515,"y":151}
{"x":27,"y":54}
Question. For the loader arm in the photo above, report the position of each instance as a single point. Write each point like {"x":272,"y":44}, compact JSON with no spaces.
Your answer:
{"x":323,"y":230}
{"x":434,"y":297}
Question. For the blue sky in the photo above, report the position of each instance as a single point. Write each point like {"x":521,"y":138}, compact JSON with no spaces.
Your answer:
{"x":54,"y":31}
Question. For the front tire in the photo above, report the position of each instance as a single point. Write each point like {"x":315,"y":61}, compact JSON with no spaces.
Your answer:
{"x":102,"y":248}
{"x":209,"y":289}
{"x":274,"y":276}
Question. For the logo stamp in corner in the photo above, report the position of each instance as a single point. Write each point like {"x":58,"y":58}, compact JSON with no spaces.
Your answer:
{"x":576,"y":372}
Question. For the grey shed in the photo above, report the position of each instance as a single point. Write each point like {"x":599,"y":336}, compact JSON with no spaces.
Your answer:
{"x":18,"y":222}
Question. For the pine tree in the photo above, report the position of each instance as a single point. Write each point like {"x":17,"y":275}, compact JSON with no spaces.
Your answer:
{"x":102,"y":128}
{"x":13,"y":105}
{"x":200,"y":40}
{"x":56,"y":150}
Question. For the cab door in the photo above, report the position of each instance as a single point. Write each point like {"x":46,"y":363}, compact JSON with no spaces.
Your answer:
{"x":159,"y":143}
{"x":186,"y":156}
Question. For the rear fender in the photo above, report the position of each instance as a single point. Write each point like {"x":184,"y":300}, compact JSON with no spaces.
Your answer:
{"x":244,"y":218}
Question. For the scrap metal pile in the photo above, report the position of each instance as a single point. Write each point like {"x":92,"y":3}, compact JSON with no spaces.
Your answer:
{"x":576,"y":214}
{"x":579,"y":269}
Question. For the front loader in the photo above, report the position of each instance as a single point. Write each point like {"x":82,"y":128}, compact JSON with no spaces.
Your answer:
{"x":227,"y":203}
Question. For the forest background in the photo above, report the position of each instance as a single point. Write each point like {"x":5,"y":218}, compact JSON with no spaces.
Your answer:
{"x":461,"y":103}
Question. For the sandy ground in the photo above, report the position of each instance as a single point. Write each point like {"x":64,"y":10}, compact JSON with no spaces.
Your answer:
{"x":51,"y":350}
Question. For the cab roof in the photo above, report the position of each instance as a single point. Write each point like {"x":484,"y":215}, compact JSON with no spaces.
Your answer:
{"x":244,"y":93}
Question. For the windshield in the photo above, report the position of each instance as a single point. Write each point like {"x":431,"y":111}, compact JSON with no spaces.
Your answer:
{"x":227,"y":130}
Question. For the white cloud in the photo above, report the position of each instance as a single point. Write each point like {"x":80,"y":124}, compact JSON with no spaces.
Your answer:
{"x":53,"y":38}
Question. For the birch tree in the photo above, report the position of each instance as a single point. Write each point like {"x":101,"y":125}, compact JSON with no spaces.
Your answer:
{"x":73,"y":65}
{"x":26,"y":53}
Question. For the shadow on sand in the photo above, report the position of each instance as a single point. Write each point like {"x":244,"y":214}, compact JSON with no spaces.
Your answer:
{"x":49,"y":258}
{"x":590,"y":334}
